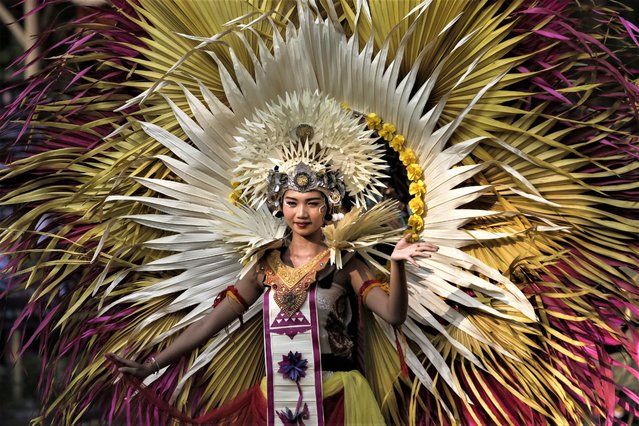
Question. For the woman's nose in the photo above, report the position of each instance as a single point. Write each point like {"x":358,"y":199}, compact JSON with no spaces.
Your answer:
{"x":302,"y":211}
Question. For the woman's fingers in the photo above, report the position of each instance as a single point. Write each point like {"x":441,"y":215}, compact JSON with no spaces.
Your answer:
{"x":123,"y":363}
{"x":427,"y":246}
{"x":422,"y":250}
{"x":129,"y":370}
{"x":412,"y":261}
{"x":137,"y":371}
{"x":126,"y":366}
{"x":116,"y":359}
{"x":422,"y":254}
{"x":406,"y":250}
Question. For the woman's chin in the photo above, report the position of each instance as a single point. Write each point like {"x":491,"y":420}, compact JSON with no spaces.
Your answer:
{"x":306,"y":231}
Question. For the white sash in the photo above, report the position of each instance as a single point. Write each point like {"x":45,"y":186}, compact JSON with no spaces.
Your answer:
{"x":297,"y":335}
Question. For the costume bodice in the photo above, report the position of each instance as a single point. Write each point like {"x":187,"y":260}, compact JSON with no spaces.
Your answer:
{"x":334,"y":312}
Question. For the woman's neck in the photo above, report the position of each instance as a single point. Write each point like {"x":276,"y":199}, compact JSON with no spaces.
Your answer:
{"x":306,"y":246}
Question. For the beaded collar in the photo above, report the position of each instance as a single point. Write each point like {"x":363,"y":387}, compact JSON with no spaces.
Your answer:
{"x":290,"y":284}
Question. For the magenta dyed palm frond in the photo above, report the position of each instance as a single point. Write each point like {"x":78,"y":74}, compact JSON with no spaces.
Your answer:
{"x":69,"y":83}
{"x":601,"y":126}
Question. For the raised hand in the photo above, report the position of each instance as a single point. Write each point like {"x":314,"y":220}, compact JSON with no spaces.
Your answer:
{"x":407,"y":250}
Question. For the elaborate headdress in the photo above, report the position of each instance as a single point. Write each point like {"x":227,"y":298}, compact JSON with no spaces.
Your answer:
{"x":515,"y":131}
{"x":306,"y":141}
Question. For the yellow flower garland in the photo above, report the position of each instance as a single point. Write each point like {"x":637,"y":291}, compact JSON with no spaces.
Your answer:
{"x":415,"y":173}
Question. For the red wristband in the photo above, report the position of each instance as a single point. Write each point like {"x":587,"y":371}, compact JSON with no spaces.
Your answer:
{"x":234,"y":294}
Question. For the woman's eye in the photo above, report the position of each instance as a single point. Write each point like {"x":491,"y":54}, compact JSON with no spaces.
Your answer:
{"x":290,"y":204}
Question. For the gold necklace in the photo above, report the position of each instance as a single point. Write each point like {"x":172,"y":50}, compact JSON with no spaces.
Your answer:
{"x":291,"y":284}
{"x":291,"y":275}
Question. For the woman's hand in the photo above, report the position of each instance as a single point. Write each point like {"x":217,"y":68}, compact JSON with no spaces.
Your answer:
{"x":406,"y":250}
{"x":133,"y":368}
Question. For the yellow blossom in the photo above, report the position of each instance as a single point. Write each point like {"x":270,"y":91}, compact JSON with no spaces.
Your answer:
{"x":234,"y":184}
{"x":397,"y":143}
{"x":414,"y":172}
{"x":416,"y":222}
{"x":345,"y":106}
{"x":387,"y":132}
{"x":413,"y":235}
{"x":417,"y":188}
{"x":373,"y":121}
{"x":407,"y":156}
{"x":416,"y":205}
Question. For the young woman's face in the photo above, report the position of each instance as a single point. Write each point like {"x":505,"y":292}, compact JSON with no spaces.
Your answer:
{"x":304,"y":211}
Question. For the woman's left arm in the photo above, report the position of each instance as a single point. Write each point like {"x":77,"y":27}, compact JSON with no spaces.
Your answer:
{"x":391,"y":306}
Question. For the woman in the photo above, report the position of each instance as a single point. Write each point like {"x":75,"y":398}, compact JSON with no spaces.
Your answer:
{"x":305,"y":215}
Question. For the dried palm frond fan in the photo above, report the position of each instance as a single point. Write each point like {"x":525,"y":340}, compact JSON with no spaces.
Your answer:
{"x":514,"y":128}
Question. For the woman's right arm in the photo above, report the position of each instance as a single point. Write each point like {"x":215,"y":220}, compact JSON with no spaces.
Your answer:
{"x":198,"y":332}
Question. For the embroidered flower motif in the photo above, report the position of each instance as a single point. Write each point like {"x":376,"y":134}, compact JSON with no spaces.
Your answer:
{"x":413,"y":235}
{"x":234,"y":197}
{"x":414,"y":171}
{"x":293,"y":366}
{"x":407,"y":156}
{"x":373,"y":121}
{"x":293,"y":419}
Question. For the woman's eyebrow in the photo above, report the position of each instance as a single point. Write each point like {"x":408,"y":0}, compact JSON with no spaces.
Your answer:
{"x":287,"y":198}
